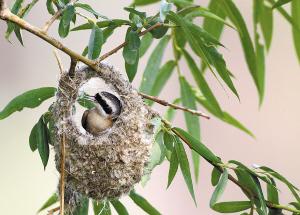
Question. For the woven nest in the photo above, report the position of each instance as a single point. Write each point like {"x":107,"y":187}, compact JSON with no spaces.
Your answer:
{"x":105,"y":166}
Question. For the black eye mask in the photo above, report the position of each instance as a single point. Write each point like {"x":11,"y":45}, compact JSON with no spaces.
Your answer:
{"x":103,"y":104}
{"x":115,"y":100}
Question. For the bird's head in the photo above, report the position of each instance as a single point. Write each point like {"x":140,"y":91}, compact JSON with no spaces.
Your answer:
{"x":107,"y":104}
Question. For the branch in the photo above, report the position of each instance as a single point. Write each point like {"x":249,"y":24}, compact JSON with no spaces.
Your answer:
{"x":165,"y":103}
{"x":60,"y":65}
{"x":248,"y":192}
{"x":62,"y":176}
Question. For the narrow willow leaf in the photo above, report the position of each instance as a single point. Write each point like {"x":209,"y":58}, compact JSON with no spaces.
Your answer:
{"x":252,"y":183}
{"x":152,"y":68}
{"x":132,"y":10}
{"x":185,"y":167}
{"x":90,"y":9}
{"x":215,"y":176}
{"x":18,"y":34}
{"x":232,"y":207}
{"x":158,"y":32}
{"x":192,"y":122}
{"x":197,"y":146}
{"x":144,"y":2}
{"x":226,"y":117}
{"x":260,"y":59}
{"x":65,"y":21}
{"x":119,"y":207}
{"x":131,"y":69}
{"x":102,"y":24}
{"x":173,"y":167}
{"x":51,"y":201}
{"x":168,"y":141}
{"x":272,"y":192}
{"x":220,"y":188}
{"x":143,"y":203}
{"x":101,"y":208}
{"x":280,"y":3}
{"x":163,"y":76}
{"x":95,"y":43}
{"x":29,"y":99}
{"x":236,"y":17}
{"x":130,"y":51}
{"x":49,"y":4}
{"x":15,"y":9}
{"x":266,"y":23}
{"x":202,"y":84}
{"x":82,"y":207}
{"x":170,"y":113}
{"x":42,"y":139}
{"x":295,"y":7}
{"x":146,"y":42}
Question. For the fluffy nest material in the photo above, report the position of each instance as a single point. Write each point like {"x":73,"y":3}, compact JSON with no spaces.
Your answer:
{"x":105,"y":166}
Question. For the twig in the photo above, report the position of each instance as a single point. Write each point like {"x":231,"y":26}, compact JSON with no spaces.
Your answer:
{"x":61,"y":68}
{"x":72,"y":67}
{"x":165,"y":103}
{"x":55,"y":16}
{"x":106,"y":55}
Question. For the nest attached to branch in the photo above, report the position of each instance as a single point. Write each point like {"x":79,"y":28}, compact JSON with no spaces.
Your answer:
{"x":105,"y":166}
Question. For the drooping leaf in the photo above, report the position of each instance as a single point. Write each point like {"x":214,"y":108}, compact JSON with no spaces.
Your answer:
{"x":144,"y":2}
{"x":219,"y":189}
{"x":65,"y":21}
{"x":90,"y":9}
{"x":29,"y":99}
{"x":82,"y":207}
{"x":152,"y":68}
{"x":280,"y":3}
{"x":266,"y":23}
{"x":146,"y":41}
{"x":202,"y":84}
{"x":102,"y":24}
{"x":143,"y":203}
{"x":51,"y":201}
{"x":196,"y":145}
{"x":184,"y":166}
{"x":249,"y":52}
{"x":119,"y":207}
{"x":272,"y":192}
{"x":192,"y":122}
{"x":215,"y":176}
{"x":95,"y":43}
{"x":49,"y":4}
{"x":101,"y":208}
{"x":173,"y":167}
{"x":18,"y":34}
{"x":232,"y":207}
{"x":157,"y":32}
{"x":295,"y":7}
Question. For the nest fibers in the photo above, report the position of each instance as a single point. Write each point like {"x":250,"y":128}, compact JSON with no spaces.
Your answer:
{"x":105,"y":166}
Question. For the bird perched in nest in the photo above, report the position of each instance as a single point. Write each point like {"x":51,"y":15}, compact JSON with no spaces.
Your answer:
{"x":100,"y":118}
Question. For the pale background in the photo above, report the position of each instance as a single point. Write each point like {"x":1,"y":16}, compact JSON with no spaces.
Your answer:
{"x":25,"y":186}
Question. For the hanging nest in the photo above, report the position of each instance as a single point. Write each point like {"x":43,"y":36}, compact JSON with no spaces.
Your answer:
{"x":105,"y":166}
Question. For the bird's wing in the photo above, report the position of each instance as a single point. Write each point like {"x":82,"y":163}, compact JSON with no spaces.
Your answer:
{"x":84,"y":119}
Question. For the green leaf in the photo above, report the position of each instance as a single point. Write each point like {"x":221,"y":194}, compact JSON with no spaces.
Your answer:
{"x":272,"y":192}
{"x":158,"y":32}
{"x":130,"y":51}
{"x":144,"y":2}
{"x":295,"y":7}
{"x":236,"y":17}
{"x":131,"y":69}
{"x":29,"y":99}
{"x":280,"y":3}
{"x":143,"y":203}
{"x":101,"y":208}
{"x":202,"y":84}
{"x":196,"y":145}
{"x":85,"y":102}
{"x":146,"y":41}
{"x":185,"y":167}
{"x":90,"y":9}
{"x":18,"y":34}
{"x":132,"y":10}
{"x":49,"y":4}
{"x":192,"y":122}
{"x":220,"y":188}
{"x":64,"y":24}
{"x":120,"y":208}
{"x":11,"y":26}
{"x":163,"y":76}
{"x":152,"y":68}
{"x":95,"y":43}
{"x":173,"y":167}
{"x":51,"y":201}
{"x":102,"y":24}
{"x":169,"y":141}
{"x":215,"y":176}
{"x":266,"y":23}
{"x":232,"y":207}
{"x":165,"y":7}
{"x":82,"y":207}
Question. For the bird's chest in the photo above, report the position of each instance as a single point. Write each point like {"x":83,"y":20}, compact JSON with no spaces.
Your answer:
{"x":98,"y":123}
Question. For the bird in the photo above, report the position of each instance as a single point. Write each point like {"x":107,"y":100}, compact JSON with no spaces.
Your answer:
{"x":100,"y":118}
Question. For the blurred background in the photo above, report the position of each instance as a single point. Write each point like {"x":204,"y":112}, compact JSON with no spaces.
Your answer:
{"x":25,"y":185}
